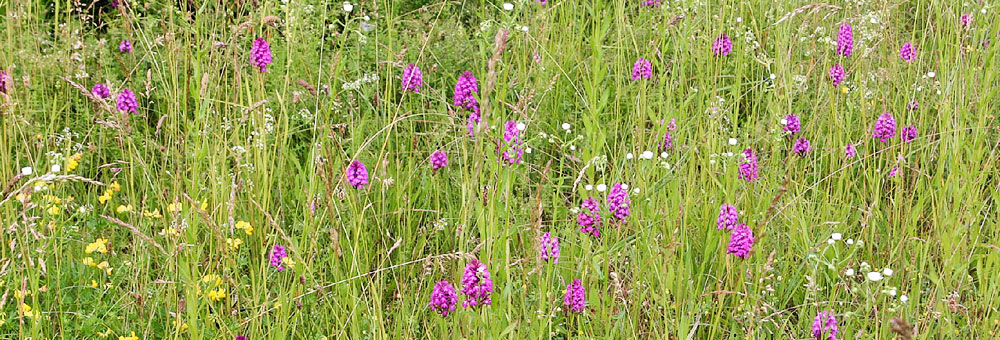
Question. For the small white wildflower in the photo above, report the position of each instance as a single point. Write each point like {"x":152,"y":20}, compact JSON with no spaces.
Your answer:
{"x":849,"y":272}
{"x":874,"y":276}
{"x":732,"y":141}
{"x":739,"y":19}
{"x":629,"y":156}
{"x":837,"y":236}
{"x":588,"y":187}
{"x":348,"y":6}
{"x":624,"y":186}
{"x":565,"y":126}
{"x":784,"y":121}
{"x":646,"y":154}
{"x":636,"y":190}
{"x":508,"y":6}
{"x":528,"y":150}
{"x":904,"y":298}
{"x":26,"y":171}
{"x":56,"y":168}
{"x":521,"y":126}
{"x":931,"y":74}
{"x":887,"y":272}
{"x":572,"y":147}
{"x":602,"y":187}
{"x":850,"y":241}
{"x":663,"y":154}
{"x":774,"y":76}
{"x":830,"y":241}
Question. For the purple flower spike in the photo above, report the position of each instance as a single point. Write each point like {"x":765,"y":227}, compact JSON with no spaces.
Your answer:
{"x":845,"y":40}
{"x":413,"y":79}
{"x":5,"y":81}
{"x":357,"y":175}
{"x":476,"y":285}
{"x":443,"y":298}
{"x":277,"y":254}
{"x":966,"y":20}
{"x":792,"y":124}
{"x":549,"y":248}
{"x":850,"y":151}
{"x":728,"y":217}
{"x":125,"y":46}
{"x":438,"y":159}
{"x":126,"y":101}
{"x":513,"y":146}
{"x":908,"y":53}
{"x":642,"y":69}
{"x":651,"y":3}
{"x":465,"y":90}
{"x":618,"y":203}
{"x":826,"y":323}
{"x":908,"y":134}
{"x":913,"y":105}
{"x":801,"y":147}
{"x":240,"y":337}
{"x":589,"y":218}
{"x":722,"y":45}
{"x":741,"y":241}
{"x":837,"y":74}
{"x":260,"y":54}
{"x":893,"y":172}
{"x":101,"y":91}
{"x":749,"y":169}
{"x":575,"y":298}
{"x":667,"y":143}
{"x":885,"y":128}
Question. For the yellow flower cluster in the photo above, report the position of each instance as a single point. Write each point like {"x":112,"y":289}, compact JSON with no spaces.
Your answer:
{"x":101,"y":246}
{"x":131,"y":337}
{"x":234,"y":243}
{"x":73,"y":161}
{"x":245,"y":226}
{"x":110,"y":193}
{"x":213,"y":283}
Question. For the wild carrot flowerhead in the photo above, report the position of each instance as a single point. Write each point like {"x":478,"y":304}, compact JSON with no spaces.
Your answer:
{"x":741,"y":240}
{"x":907,"y":52}
{"x":885,"y":128}
{"x":825,"y":323}
{"x":850,"y":151}
{"x":642,"y":69}
{"x":618,"y":203}
{"x":413,"y":79}
{"x":575,"y":298}
{"x":476,"y":285}
{"x":728,"y":217}
{"x":749,"y":170}
{"x":260,"y":54}
{"x":837,"y":74}
{"x":908,"y":134}
{"x":549,"y":247}
{"x":722,"y":45}
{"x":801,"y":147}
{"x":357,"y":175}
{"x":125,"y":46}
{"x":438,"y":159}
{"x":443,"y":298}
{"x":101,"y":91}
{"x":589,"y":218}
{"x":127,"y":102}
{"x":845,"y":40}
{"x":277,"y":255}
{"x":792,"y":124}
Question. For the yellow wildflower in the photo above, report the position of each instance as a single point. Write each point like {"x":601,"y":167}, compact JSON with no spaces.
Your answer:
{"x":21,"y":294}
{"x":89,"y":261}
{"x":174,"y":207}
{"x":216,"y":295}
{"x":212,"y":279}
{"x":93,"y":283}
{"x":131,"y":337}
{"x":53,"y":199}
{"x":108,"y":194}
{"x":100,"y":245}
{"x":153,"y":214}
{"x":288,"y":262}
{"x":234,"y":243}
{"x":105,"y":266}
{"x":54,"y":210}
{"x":73,"y":161}
{"x":26,"y":310}
{"x":246,"y":226}
{"x":115,"y":186}
{"x":183,"y":325}
{"x":124,"y":208}
{"x":104,"y":334}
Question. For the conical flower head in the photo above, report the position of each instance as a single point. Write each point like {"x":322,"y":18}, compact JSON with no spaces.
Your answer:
{"x":357,"y":175}
{"x":741,"y":241}
{"x":476,"y":285}
{"x":749,"y":170}
{"x":908,"y":134}
{"x":885,"y":128}
{"x":728,"y":217}
{"x":4,"y":81}
{"x":260,"y":54}
{"x":549,"y":247}
{"x":837,"y":74}
{"x":845,"y":40}
{"x":101,"y":91}
{"x":126,"y":101}
{"x":465,"y":90}
{"x":907,"y":52}
{"x":618,"y":203}
{"x":642,"y":69}
{"x":443,"y":298}
{"x":792,"y":124}
{"x":825,"y":323}
{"x":277,"y":254}
{"x":801,"y":147}
{"x":589,"y":218}
{"x":413,"y":79}
{"x":438,"y":159}
{"x":125,"y":46}
{"x":575,"y":298}
{"x":722,"y":45}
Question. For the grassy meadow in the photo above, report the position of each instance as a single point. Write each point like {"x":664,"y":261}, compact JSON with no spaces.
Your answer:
{"x":158,"y":218}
